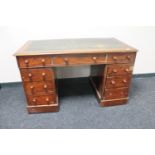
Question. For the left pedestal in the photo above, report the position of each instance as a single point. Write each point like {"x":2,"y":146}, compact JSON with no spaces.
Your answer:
{"x":39,"y":84}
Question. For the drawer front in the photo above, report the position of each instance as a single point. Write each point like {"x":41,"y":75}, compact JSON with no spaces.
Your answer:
{"x":116,"y":82}
{"x":37,"y":75}
{"x":35,"y":88}
{"x":116,"y":93}
{"x":119,"y":70}
{"x":79,"y":59}
{"x":34,"y":61}
{"x":121,"y":58}
{"x":41,"y":100}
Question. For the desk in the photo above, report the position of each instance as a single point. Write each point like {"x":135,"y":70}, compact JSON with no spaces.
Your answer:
{"x":111,"y":64}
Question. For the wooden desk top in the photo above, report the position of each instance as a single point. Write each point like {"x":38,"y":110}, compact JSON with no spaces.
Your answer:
{"x":73,"y":46}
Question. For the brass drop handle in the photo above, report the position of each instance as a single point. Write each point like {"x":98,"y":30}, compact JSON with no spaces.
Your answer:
{"x":43,"y":75}
{"x":26,"y":61}
{"x":30,"y":76}
{"x":66,"y":60}
{"x":115,"y":70}
{"x":125,"y":81}
{"x":47,"y":100}
{"x":45,"y":87}
{"x":32,"y":88}
{"x":113,"y":82}
{"x":34,"y":100}
{"x":94,"y":58}
{"x":127,"y":70}
{"x":115,"y":58}
{"x":128,"y":57}
{"x":43,"y":61}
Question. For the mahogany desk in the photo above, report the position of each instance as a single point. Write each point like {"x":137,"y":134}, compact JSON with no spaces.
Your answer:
{"x":111,"y":64}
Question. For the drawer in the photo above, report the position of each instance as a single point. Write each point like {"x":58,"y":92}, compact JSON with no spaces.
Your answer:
{"x":41,"y":100}
{"x":116,"y":82}
{"x":34,"y":61}
{"x":37,"y":74}
{"x":116,"y":93}
{"x":121,"y":58}
{"x":79,"y":59}
{"x":35,"y":88}
{"x":119,"y":69}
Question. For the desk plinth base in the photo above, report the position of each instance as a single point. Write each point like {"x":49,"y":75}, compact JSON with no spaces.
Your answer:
{"x":106,"y":103}
{"x":44,"y":108}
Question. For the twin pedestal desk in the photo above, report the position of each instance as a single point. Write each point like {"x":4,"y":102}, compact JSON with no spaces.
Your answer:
{"x":111,"y":63}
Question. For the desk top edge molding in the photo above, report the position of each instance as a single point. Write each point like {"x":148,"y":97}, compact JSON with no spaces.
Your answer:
{"x":24,"y":51}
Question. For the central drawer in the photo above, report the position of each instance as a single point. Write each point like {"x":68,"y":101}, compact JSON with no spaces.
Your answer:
{"x":79,"y":59}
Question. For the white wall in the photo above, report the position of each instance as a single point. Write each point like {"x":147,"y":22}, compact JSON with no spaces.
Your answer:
{"x":12,"y":38}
